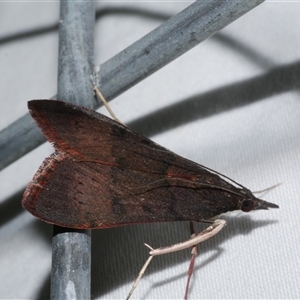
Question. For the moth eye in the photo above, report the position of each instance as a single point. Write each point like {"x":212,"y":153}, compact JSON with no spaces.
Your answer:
{"x":247,"y":205}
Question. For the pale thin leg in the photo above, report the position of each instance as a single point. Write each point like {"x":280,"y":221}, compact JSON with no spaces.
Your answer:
{"x":209,"y":232}
{"x":140,"y":276}
{"x":101,"y":97}
{"x":192,"y":262}
{"x":204,"y":235}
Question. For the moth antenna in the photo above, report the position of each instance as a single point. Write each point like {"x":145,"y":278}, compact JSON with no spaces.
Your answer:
{"x":152,"y":185}
{"x":267,"y":189}
{"x":215,"y":172}
{"x":105,"y":103}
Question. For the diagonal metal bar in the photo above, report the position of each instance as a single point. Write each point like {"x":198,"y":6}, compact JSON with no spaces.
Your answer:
{"x":167,"y":42}
{"x":164,"y":44}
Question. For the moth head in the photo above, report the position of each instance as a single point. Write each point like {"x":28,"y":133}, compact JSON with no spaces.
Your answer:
{"x":253,"y":203}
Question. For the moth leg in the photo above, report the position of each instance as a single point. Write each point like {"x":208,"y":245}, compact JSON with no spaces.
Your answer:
{"x":141,"y":273}
{"x":209,"y":232}
{"x":192,"y":262}
{"x":204,"y":235}
{"x":105,"y":103}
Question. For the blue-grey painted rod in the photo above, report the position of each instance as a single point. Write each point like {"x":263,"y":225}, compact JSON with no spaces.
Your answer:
{"x":167,"y":42}
{"x":71,"y":265}
{"x":71,"y":248}
{"x":164,"y":44}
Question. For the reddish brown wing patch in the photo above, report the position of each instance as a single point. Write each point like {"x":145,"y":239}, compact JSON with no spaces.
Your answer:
{"x":91,"y":195}
{"x":89,"y":136}
{"x":107,"y":175}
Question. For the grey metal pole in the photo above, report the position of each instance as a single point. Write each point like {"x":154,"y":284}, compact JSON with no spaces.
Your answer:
{"x":71,"y":249}
{"x":167,"y":42}
{"x":164,"y":44}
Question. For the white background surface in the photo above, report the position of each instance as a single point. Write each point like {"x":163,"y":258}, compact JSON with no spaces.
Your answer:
{"x":224,"y":104}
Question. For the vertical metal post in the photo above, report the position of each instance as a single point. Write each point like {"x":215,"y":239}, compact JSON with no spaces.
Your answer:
{"x":71,"y":249}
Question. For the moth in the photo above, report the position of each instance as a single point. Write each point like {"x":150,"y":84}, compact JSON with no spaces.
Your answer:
{"x":103,"y":174}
